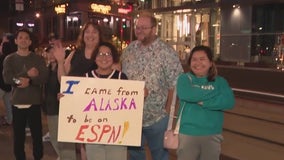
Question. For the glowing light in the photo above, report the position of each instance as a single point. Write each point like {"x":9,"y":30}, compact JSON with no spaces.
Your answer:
{"x":37,"y":15}
{"x":19,"y":24}
{"x":125,"y":10}
{"x":31,"y":24}
{"x":75,"y":18}
{"x":60,"y":9}
{"x":105,"y":9}
{"x":105,"y":20}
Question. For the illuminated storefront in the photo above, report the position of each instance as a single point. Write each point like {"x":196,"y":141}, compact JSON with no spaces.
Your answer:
{"x":113,"y":19}
{"x":188,"y":25}
{"x":66,"y":18}
{"x":186,"y":28}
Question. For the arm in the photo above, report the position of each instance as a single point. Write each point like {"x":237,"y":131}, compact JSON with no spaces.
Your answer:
{"x":223,"y":100}
{"x":38,"y":75}
{"x":190,"y":92}
{"x":64,"y":67}
{"x":8,"y":71}
{"x":169,"y":100}
{"x":63,"y":64}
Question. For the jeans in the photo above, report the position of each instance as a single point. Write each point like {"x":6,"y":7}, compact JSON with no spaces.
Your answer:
{"x":153,"y":136}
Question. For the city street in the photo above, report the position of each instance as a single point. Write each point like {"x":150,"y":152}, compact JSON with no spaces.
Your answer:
{"x":6,"y":144}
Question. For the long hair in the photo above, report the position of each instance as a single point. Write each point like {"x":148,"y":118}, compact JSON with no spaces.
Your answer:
{"x":212,"y":73}
{"x":80,"y":41}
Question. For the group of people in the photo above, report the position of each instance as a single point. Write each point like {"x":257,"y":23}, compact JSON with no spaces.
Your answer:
{"x":205,"y":95}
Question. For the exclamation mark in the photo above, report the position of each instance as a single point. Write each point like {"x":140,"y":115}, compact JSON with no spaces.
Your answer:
{"x":125,"y":129}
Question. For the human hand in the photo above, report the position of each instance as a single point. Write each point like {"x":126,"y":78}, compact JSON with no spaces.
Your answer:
{"x":59,"y":51}
{"x":60,"y":95}
{"x":146,"y":92}
{"x":24,"y":82}
{"x":33,"y":72}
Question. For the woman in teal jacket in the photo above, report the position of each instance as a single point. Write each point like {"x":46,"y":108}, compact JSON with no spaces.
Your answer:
{"x":203,"y":97}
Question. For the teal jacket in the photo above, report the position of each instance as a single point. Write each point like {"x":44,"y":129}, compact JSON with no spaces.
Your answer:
{"x":203,"y":103}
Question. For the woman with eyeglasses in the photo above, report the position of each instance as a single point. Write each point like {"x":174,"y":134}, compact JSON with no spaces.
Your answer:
{"x":105,"y":56}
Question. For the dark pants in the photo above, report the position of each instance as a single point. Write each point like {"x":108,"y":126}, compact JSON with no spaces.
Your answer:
{"x":32,"y":117}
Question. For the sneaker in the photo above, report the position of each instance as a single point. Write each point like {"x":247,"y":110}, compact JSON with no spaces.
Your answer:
{"x":46,"y":137}
{"x":28,"y":132}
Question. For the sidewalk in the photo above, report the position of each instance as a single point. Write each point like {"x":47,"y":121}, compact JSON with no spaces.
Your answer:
{"x":6,"y":144}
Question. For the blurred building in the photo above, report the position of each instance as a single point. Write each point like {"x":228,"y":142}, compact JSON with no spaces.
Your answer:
{"x":241,"y":32}
{"x":66,"y":17}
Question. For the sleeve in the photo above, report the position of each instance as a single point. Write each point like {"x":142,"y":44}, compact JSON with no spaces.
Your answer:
{"x":43,"y":72}
{"x":8,"y":71}
{"x":171,"y":66}
{"x":223,"y":100}
{"x":191,"y":93}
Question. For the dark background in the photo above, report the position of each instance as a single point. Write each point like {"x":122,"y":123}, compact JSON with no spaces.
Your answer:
{"x":4,"y":16}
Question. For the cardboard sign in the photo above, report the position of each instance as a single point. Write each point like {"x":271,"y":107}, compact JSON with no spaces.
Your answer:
{"x":101,"y":111}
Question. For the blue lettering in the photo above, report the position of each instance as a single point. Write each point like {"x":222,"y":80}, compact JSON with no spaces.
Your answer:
{"x":71,"y":83}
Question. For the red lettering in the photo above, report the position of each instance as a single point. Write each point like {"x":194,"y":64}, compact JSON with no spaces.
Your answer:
{"x":81,"y":132}
{"x":94,"y":133}
{"x":114,"y":136}
{"x":99,"y":133}
{"x":105,"y":130}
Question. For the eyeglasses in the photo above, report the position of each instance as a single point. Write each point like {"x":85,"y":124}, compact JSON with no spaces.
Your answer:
{"x":142,"y":28}
{"x":106,"y":54}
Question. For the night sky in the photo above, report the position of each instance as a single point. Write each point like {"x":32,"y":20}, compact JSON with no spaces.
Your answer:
{"x":4,"y":14}
{"x":4,"y":7}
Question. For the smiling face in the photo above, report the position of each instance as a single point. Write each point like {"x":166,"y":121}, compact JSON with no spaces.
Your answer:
{"x":200,"y":63}
{"x":91,"y":36}
{"x":104,"y":58}
{"x":23,"y":40}
{"x":144,"y":30}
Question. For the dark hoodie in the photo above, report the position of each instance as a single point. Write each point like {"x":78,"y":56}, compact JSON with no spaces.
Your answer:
{"x":7,"y":48}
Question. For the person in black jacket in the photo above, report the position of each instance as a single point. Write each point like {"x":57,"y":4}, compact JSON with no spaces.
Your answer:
{"x":7,"y":47}
{"x":51,"y":89}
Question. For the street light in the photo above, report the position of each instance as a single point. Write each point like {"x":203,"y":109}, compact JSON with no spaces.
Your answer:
{"x":37,"y":15}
